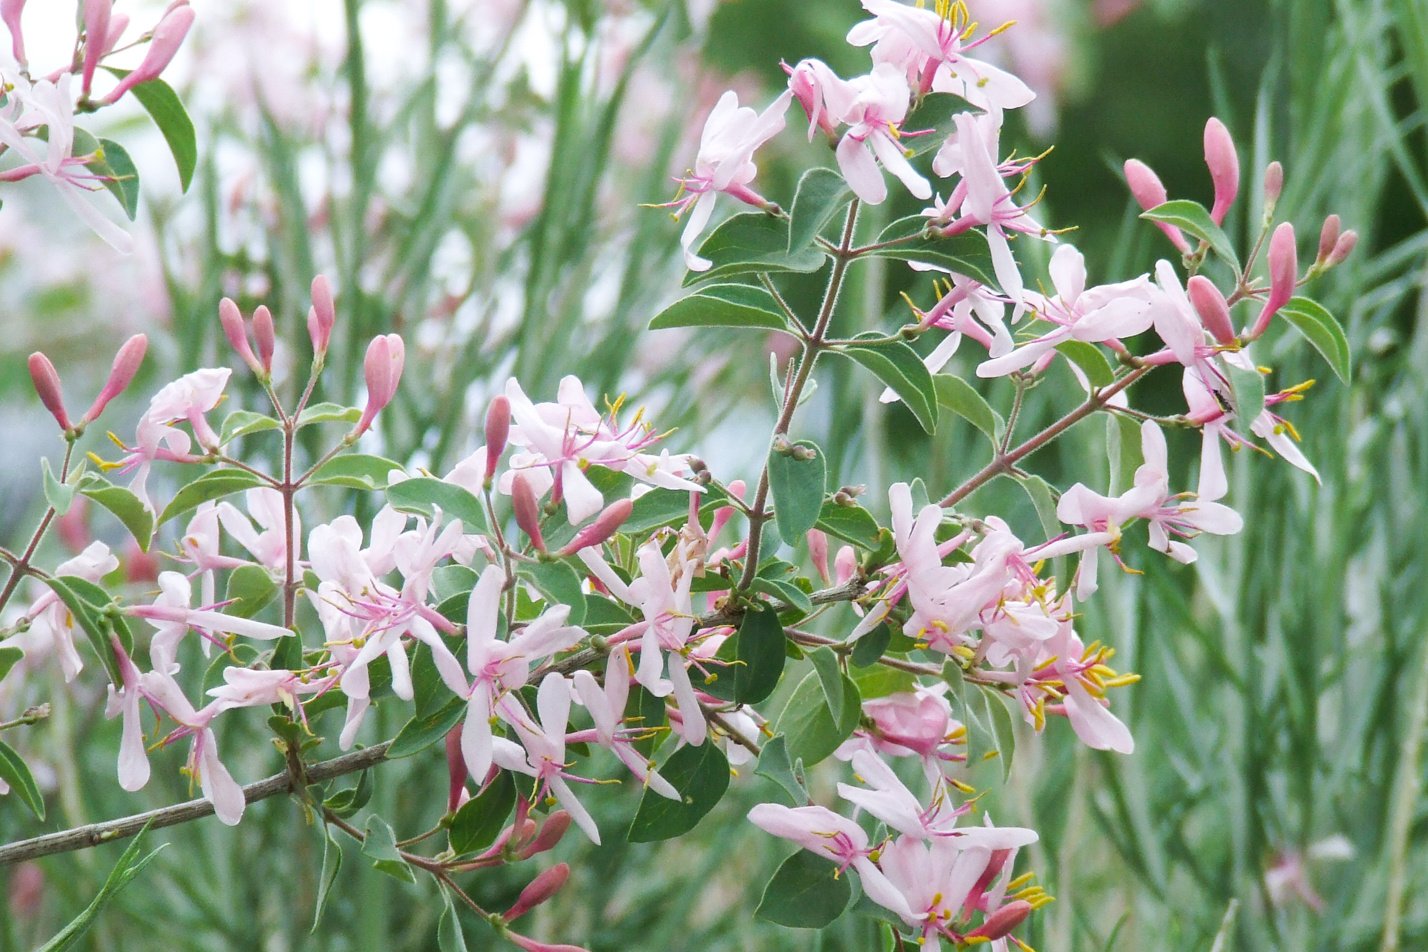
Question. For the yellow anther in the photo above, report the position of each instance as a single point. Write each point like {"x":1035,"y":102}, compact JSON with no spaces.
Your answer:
{"x":1020,"y":881}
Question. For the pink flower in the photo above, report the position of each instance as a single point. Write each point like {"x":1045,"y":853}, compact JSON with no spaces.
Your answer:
{"x":543,"y":756}
{"x":383,"y":371}
{"x":157,"y":437}
{"x":218,"y":785}
{"x":49,"y":618}
{"x":168,"y":36}
{"x":172,"y":617}
{"x":606,"y":706}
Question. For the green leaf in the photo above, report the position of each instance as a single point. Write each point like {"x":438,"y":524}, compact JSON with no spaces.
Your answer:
{"x":665,"y":507}
{"x":250,"y":589}
{"x":897,"y":365}
{"x":423,"y":495}
{"x":965,"y":253}
{"x":1322,"y":330}
{"x":349,"y":800}
{"x":419,"y":733}
{"x":760,"y":655}
{"x":355,"y":470}
{"x":813,"y":732}
{"x":1003,"y":729}
{"x":1089,"y":358}
{"x":1247,"y":392}
{"x":9,"y":657}
{"x":805,"y":893}
{"x":560,"y":583}
{"x":166,"y":109}
{"x":962,"y":398}
{"x":956,"y":679}
{"x":242,"y":422}
{"x":774,"y":765}
{"x":851,"y":523}
{"x":124,"y":871}
{"x":821,"y":194}
{"x":14,"y":772}
{"x":380,"y":846}
{"x":830,"y":677}
{"x":449,"y":937}
{"x":1192,"y":217}
{"x":125,"y":507}
{"x":724,"y":305}
{"x":786,"y":592}
{"x":87,"y":618}
{"x":60,"y":496}
{"x":211,"y":485}
{"x":474,"y":826}
{"x":879,"y":680}
{"x":798,"y":487}
{"x":750,"y":243}
{"x":331,"y":865}
{"x":1038,"y":491}
{"x":120,"y":175}
{"x":328,"y":413}
{"x":700,"y":775}
{"x":868,"y":650}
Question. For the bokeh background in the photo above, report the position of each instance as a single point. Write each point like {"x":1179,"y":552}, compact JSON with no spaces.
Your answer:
{"x":471,"y":172}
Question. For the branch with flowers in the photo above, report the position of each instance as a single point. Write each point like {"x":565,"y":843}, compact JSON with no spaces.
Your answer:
{"x":573,"y":594}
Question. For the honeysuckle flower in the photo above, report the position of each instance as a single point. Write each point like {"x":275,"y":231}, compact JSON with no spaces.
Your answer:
{"x":874,"y":116}
{"x":157,"y":437}
{"x":251,"y":687}
{"x":1103,"y":314}
{"x":888,"y":798}
{"x":541,"y":752}
{"x":1209,"y":413}
{"x":725,"y":163}
{"x":836,"y":838}
{"x":929,"y":48}
{"x":321,"y":317}
{"x":217,"y":784}
{"x":166,"y":38}
{"x":172,"y":618}
{"x":10,"y":11}
{"x":498,"y":666}
{"x":606,"y":706}
{"x":47,"y":386}
{"x":133,"y":759}
{"x":51,"y":620}
{"x":916,"y":723}
{"x":201,"y":545}
{"x":267,"y":542}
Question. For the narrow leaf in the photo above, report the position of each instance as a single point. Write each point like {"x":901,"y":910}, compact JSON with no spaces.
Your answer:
{"x":356,"y":471}
{"x":750,"y":243}
{"x":380,"y":846}
{"x":423,"y":496}
{"x":1322,"y":330}
{"x":15,"y":773}
{"x":724,"y":305}
{"x":1192,"y":217}
{"x":821,"y":194}
{"x":830,"y":678}
{"x":125,"y":506}
{"x":775,"y":766}
{"x":962,"y":398}
{"x":813,"y":733}
{"x":474,"y":826}
{"x":897,"y":365}
{"x":124,"y":871}
{"x":166,"y":109}
{"x":211,"y":485}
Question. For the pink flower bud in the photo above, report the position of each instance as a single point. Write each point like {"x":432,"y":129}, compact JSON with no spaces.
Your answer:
{"x":1342,"y":248}
{"x":126,"y":365}
{"x":383,"y":370}
{"x":541,"y":888}
{"x":604,"y":526}
{"x":818,"y":552}
{"x":1148,"y":191}
{"x":167,"y":38}
{"x":845,"y":564}
{"x":550,"y":834}
{"x":498,"y":430}
{"x":1273,"y":184}
{"x":1000,"y":923}
{"x":322,"y":317}
{"x":1224,"y":167}
{"x":264,"y":334}
{"x":27,"y":891}
{"x":47,"y":384}
{"x":118,"y":23}
{"x":96,"y":36}
{"x":533,"y":945}
{"x":456,"y":769}
{"x":523,"y":500}
{"x":1283,"y":272}
{"x":1328,"y":237}
{"x":237,"y":333}
{"x":10,"y":11}
{"x":1210,"y":304}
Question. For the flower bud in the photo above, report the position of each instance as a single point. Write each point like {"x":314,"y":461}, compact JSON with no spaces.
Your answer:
{"x":321,"y":317}
{"x":264,"y":334}
{"x":845,"y":564}
{"x":604,"y":526}
{"x":1000,"y":923}
{"x":1224,"y":167}
{"x":527,"y":944}
{"x":26,"y":892}
{"x":1273,"y":185}
{"x":523,"y":500}
{"x":118,"y":23}
{"x":168,"y":36}
{"x":1210,"y":304}
{"x":10,"y":11}
{"x":498,"y":430}
{"x":237,"y":333}
{"x":544,"y":886}
{"x":1148,"y":191}
{"x":818,"y":552}
{"x":96,"y":37}
{"x":383,"y":371}
{"x":126,"y":365}
{"x":1283,"y":273}
{"x":47,"y":384}
{"x":550,"y":834}
{"x":1342,"y":248}
{"x":456,"y":769}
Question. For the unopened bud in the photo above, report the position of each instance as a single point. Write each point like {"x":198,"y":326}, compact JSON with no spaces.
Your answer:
{"x":498,"y":430}
{"x":1342,"y":248}
{"x":523,"y":500}
{"x":1148,"y":191}
{"x":96,"y":36}
{"x":551,"y":833}
{"x":455,"y":768}
{"x":47,"y":384}
{"x":527,"y":944}
{"x":604,"y":526}
{"x":1273,"y":186}
{"x":845,"y":564}
{"x":1328,"y":237}
{"x":382,"y":369}
{"x":1283,"y":273}
{"x":237,"y":333}
{"x":322,"y":316}
{"x":1210,"y":304}
{"x":126,"y":365}
{"x":818,"y":552}
{"x":168,"y":36}
{"x":10,"y":11}
{"x":1224,"y":167}
{"x":1000,"y":923}
{"x":544,"y":886}
{"x":264,"y":334}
